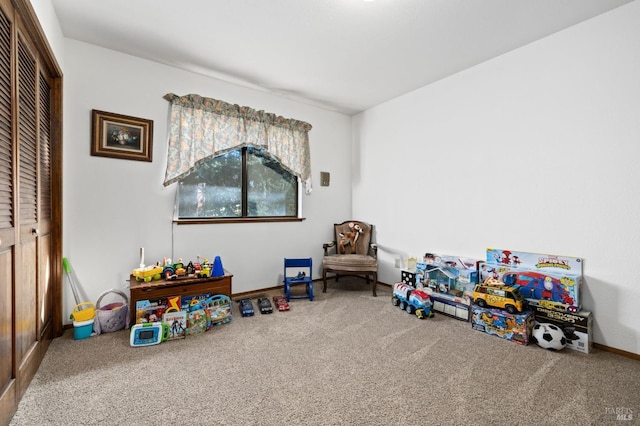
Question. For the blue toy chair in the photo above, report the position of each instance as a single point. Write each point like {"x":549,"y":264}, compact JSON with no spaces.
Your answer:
{"x":300,"y":277}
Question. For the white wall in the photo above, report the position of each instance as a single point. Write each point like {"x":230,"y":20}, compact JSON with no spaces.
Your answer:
{"x":532,"y":151}
{"x":536,"y":150}
{"x":49,"y":23}
{"x":113,"y":207}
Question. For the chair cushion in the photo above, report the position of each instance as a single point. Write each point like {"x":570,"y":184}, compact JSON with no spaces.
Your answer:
{"x":350,"y":263}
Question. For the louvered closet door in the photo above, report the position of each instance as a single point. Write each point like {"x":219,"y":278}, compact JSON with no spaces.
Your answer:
{"x":45,"y":293}
{"x":7,"y":208}
{"x":30,"y":201}
{"x":27,"y":260}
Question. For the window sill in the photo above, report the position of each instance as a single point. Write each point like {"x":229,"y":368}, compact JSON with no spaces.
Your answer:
{"x":213,"y":221}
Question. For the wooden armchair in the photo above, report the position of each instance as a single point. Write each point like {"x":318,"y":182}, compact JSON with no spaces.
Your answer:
{"x":351,"y":253}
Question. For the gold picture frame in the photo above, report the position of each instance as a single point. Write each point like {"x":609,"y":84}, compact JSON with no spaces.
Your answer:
{"x":121,"y":136}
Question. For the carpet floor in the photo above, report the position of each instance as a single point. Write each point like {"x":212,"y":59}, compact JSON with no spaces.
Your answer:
{"x":345,"y":358}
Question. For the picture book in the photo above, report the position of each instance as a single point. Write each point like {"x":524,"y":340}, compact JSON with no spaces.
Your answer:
{"x":150,"y":310}
{"x":177,"y":321}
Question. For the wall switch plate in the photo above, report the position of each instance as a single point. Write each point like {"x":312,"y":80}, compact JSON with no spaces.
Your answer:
{"x":325,"y":177}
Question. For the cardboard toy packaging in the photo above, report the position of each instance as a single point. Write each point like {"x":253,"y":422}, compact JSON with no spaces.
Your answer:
{"x":408,"y":277}
{"x":459,"y":311}
{"x":514,"y":327}
{"x":550,"y":281}
{"x":449,"y":278}
{"x":577,"y":327}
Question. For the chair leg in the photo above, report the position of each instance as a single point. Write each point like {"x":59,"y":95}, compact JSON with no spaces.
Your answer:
{"x":324,"y":280}
{"x":310,"y":291}
{"x":375,"y":283}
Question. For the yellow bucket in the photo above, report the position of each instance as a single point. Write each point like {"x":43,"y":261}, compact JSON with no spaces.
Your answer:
{"x":84,"y":314}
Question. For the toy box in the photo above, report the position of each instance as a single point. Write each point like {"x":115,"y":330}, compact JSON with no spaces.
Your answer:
{"x":550,"y":281}
{"x":514,"y":327}
{"x":447,"y":277}
{"x":465,"y":269}
{"x":450,"y":308}
{"x":408,"y":277}
{"x":577,"y":327}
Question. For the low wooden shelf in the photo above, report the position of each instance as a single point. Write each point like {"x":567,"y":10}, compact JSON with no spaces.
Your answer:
{"x":180,"y":287}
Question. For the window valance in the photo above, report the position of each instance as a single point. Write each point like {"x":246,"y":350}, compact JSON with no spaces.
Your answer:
{"x":200,"y":128}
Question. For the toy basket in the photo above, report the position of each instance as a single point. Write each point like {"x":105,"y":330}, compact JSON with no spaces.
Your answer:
{"x":83,"y":312}
{"x":113,"y":316}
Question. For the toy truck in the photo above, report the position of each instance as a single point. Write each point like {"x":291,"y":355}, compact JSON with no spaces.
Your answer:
{"x":412,"y":300}
{"x":148,"y":273}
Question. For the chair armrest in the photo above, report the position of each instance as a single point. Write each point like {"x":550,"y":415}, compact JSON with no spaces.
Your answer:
{"x":374,"y":250}
{"x":327,"y":246}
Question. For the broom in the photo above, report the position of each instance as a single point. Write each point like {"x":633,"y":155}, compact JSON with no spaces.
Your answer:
{"x":80,"y":306}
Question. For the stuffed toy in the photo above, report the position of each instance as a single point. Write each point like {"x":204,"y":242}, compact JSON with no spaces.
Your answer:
{"x":349,"y":238}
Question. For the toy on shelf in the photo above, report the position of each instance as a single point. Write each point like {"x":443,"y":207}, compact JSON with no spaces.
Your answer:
{"x":246,"y":307}
{"x":549,"y":336}
{"x":202,"y":270}
{"x":413,"y":301}
{"x":148,"y":273}
{"x":281,"y":303}
{"x":172,"y":271}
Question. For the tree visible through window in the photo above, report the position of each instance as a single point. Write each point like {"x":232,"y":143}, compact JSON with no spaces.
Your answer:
{"x":245,"y":182}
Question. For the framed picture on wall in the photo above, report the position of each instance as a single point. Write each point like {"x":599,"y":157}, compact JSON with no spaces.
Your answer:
{"x":120,"y":136}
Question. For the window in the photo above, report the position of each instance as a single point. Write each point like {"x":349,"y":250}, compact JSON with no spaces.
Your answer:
{"x":243,"y":183}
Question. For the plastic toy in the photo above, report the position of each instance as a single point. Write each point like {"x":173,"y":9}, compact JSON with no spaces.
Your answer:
{"x":547,"y":291}
{"x":499,"y":296}
{"x":219,"y":307}
{"x":198,"y":321}
{"x":281,"y":303}
{"x":246,"y":307}
{"x":150,"y":333}
{"x":412,"y":300}
{"x":265,"y":305}
{"x":148,"y":273}
{"x":549,"y":336}
{"x":172,"y":271}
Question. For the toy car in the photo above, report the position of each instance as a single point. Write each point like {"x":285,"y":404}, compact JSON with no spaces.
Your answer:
{"x":281,"y":303}
{"x":265,"y":305}
{"x":246,"y":307}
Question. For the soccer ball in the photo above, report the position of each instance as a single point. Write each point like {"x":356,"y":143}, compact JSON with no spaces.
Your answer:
{"x":549,"y":336}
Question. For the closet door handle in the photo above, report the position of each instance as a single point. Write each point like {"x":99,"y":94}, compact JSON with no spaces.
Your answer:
{"x":34,"y":232}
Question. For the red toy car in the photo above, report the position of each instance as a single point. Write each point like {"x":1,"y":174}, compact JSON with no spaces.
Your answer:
{"x":281,"y":303}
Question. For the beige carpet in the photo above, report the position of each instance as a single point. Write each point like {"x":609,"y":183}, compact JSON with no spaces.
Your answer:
{"x":346,"y":358}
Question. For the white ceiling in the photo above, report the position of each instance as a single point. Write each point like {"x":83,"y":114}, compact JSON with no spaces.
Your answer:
{"x":342,"y":55}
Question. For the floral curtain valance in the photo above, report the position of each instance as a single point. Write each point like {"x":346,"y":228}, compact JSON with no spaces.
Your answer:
{"x":200,"y":128}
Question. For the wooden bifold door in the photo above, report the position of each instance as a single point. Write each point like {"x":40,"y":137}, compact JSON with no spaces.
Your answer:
{"x":30,"y":200}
